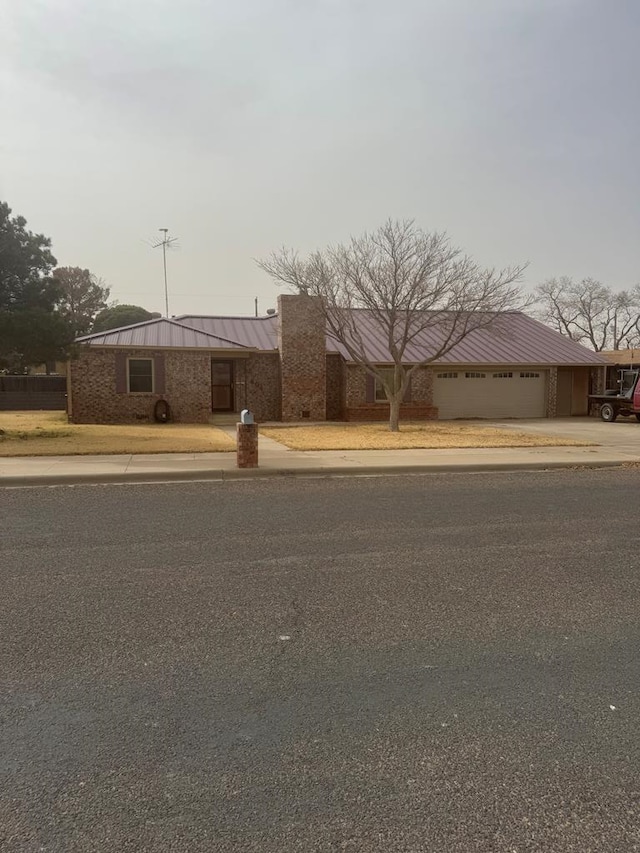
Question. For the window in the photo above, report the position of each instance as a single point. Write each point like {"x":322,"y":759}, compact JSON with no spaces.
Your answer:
{"x":446,"y":375}
{"x":527,"y":374}
{"x":472,"y":375}
{"x":503,"y":375}
{"x":140,"y":375}
{"x":381,"y":397}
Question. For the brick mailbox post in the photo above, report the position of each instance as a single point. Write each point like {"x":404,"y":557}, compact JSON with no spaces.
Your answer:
{"x":247,"y":441}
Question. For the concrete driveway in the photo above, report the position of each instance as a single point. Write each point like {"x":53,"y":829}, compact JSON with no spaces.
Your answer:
{"x":623,"y":435}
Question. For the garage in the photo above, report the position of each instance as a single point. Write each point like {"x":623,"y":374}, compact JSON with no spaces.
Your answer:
{"x":499,"y":393}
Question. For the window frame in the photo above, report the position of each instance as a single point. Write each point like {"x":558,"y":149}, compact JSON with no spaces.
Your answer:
{"x":504,"y":374}
{"x":474,"y":374}
{"x":450,"y":374}
{"x":153,"y":375}
{"x":530,"y":374}
{"x":379,"y":387}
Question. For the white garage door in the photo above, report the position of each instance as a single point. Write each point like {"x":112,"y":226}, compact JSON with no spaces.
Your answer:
{"x":490,"y":393}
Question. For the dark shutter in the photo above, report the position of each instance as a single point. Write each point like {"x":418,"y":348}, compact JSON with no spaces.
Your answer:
{"x":407,"y":393}
{"x":370,"y":393}
{"x":121,"y":373}
{"x":158,"y":374}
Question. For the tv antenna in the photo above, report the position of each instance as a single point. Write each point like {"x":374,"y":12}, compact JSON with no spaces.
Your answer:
{"x":167,"y":243}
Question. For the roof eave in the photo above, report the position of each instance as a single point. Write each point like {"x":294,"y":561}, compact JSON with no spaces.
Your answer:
{"x":497,"y":364}
{"x":242,"y":351}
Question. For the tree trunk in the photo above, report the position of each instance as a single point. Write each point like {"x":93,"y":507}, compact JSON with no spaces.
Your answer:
{"x":394,"y":414}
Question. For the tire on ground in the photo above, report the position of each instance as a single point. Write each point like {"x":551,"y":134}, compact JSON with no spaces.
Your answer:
{"x":608,"y":412}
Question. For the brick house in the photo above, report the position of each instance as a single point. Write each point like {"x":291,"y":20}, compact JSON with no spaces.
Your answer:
{"x":285,"y":367}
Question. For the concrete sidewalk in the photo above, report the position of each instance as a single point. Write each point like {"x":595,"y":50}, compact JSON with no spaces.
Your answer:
{"x":276,"y":460}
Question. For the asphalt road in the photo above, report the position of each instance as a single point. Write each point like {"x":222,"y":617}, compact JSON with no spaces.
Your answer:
{"x":439,"y":663}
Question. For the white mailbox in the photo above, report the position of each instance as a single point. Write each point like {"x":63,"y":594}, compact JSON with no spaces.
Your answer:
{"x":246,"y":417}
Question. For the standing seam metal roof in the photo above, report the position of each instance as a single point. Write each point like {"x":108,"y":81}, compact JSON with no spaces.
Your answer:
{"x":159,"y":333}
{"x":512,"y":338}
{"x":256,"y":332}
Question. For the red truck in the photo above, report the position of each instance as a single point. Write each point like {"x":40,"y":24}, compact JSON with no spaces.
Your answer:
{"x":623,"y":400}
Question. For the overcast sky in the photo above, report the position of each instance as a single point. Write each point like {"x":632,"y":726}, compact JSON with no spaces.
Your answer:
{"x":243,"y":125}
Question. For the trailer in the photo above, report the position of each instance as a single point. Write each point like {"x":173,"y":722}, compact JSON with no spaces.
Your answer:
{"x":623,"y":400}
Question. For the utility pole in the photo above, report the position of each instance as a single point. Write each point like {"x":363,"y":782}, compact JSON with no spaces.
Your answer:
{"x":256,"y":304}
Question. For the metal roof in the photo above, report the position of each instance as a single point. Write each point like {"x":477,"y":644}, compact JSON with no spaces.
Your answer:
{"x":512,"y":338}
{"x":255,"y":332}
{"x":159,"y":333}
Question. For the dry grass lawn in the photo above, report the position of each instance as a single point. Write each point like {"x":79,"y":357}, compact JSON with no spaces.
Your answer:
{"x":430,"y":435}
{"x":49,"y":434}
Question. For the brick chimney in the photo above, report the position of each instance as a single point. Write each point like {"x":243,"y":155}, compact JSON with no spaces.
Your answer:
{"x":303,"y":358}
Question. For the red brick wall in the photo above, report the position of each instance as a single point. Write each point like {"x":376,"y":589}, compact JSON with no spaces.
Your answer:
{"x":552,"y":392}
{"x":356,"y":386}
{"x":419,"y":408}
{"x":302,"y":342}
{"x":94,"y":398}
{"x":380,"y":412}
{"x":422,"y":385}
{"x":262,"y":389}
{"x":275,"y":386}
{"x":247,"y":445}
{"x":335,"y":387}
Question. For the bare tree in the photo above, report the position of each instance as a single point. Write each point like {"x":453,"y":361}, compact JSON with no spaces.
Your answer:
{"x":589,"y":312}
{"x":410,"y":282}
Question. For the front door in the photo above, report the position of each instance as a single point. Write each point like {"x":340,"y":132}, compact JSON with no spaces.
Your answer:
{"x":222,"y":386}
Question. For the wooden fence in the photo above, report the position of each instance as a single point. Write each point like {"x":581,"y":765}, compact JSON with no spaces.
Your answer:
{"x":29,"y":393}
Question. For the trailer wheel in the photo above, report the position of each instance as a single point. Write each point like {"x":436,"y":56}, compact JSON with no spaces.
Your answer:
{"x":638,"y":416}
{"x":608,"y":413}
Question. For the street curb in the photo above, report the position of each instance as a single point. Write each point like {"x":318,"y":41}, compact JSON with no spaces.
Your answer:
{"x":222,"y":475}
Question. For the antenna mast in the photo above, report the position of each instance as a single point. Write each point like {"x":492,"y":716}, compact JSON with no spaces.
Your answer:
{"x":167,"y":243}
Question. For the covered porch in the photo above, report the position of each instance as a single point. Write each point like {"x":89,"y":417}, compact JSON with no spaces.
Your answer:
{"x":244,"y":381}
{"x":228,"y":386}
